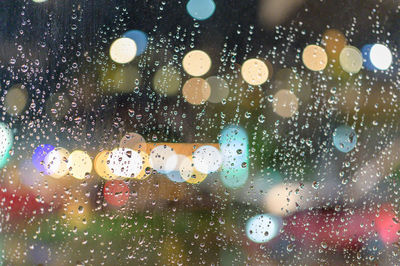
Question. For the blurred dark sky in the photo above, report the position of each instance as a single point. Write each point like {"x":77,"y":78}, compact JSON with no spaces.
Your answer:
{"x":315,"y":15}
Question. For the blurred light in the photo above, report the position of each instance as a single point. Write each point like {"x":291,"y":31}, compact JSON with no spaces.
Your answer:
{"x":351,"y":59}
{"x":116,"y":193}
{"x":79,"y":164}
{"x":386,"y":225}
{"x":16,"y":99}
{"x":140,"y":39}
{"x":123,"y":50}
{"x":146,"y":169}
{"x":6,"y":137}
{"x":207,"y":159}
{"x":39,"y":1}
{"x":334,"y":42}
{"x":314,"y":57}
{"x":380,"y":56}
{"x":163,"y":159}
{"x":39,"y":155}
{"x":254,"y":71}
{"x":56,"y":162}
{"x":365,"y":50}
{"x":196,"y":91}
{"x":275,"y":12}
{"x":263,"y":227}
{"x":282,"y":199}
{"x":125,"y":163}
{"x":196,"y":63}
{"x":200,"y":9}
{"x":133,"y":141}
{"x":167,"y":81}
{"x":189,"y":173}
{"x":344,"y":138}
{"x":101,"y":166}
{"x":175,"y":175}
{"x":234,"y":148}
{"x":285,"y":103}
{"x":219,"y":89}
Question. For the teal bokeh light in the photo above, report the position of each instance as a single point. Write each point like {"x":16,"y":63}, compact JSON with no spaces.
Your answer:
{"x":6,"y":137}
{"x":200,"y":9}
{"x":263,"y":227}
{"x":344,"y":138}
{"x":234,"y":146}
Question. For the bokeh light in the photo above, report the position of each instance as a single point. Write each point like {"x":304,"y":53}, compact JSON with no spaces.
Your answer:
{"x":140,"y":39}
{"x":351,"y":59}
{"x":365,"y":50}
{"x":285,"y":103}
{"x":16,"y":99}
{"x":101,"y":166}
{"x":56,"y":162}
{"x":6,"y":137}
{"x":380,"y":56}
{"x":123,"y":50}
{"x":175,"y":175}
{"x":39,"y":155}
{"x":200,"y":9}
{"x":146,"y":169}
{"x":116,"y":192}
{"x":344,"y":138}
{"x":207,"y":159}
{"x":282,"y":199}
{"x":125,"y":162}
{"x":263,"y":227}
{"x":196,"y":91}
{"x":189,"y":173}
{"x":196,"y":63}
{"x":386,"y":224}
{"x":334,"y":41}
{"x":254,"y":71}
{"x":219,"y":89}
{"x":167,"y":81}
{"x":314,"y":57}
{"x":133,"y":141}
{"x":79,"y":164}
{"x":234,"y":148}
{"x":163,"y":159}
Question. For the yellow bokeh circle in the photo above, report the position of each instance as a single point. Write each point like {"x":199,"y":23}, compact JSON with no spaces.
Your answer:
{"x":123,"y":50}
{"x":101,"y":167}
{"x":196,"y":63}
{"x":254,"y":71}
{"x":79,"y":164}
{"x":314,"y":57}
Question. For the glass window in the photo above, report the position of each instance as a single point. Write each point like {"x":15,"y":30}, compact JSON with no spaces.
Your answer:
{"x":216,"y":132}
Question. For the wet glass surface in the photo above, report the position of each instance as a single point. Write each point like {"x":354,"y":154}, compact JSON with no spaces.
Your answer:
{"x":212,"y":132}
